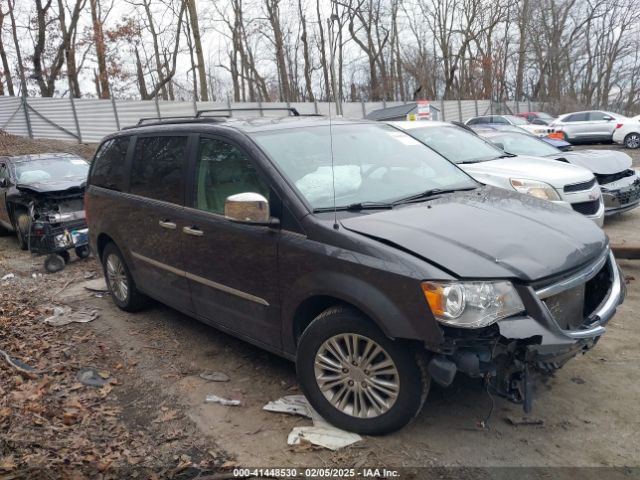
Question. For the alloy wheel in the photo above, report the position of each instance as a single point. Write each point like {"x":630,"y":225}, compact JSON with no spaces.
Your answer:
{"x":117,"y":278}
{"x":632,"y":140}
{"x":356,"y":375}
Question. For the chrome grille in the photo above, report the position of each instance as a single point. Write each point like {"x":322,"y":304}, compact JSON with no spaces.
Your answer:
{"x":572,"y":301}
{"x":579,"y":187}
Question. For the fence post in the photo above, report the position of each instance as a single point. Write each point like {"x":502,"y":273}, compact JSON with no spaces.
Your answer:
{"x":517,"y":106}
{"x":157,"y":106}
{"x":115,"y":111}
{"x":459,"y":109}
{"x":229,"y":106}
{"x":315,"y":106}
{"x":25,"y":106}
{"x":528,"y":104}
{"x":364,"y":108}
{"x":260,"y":107}
{"x":442,"y":109}
{"x":195,"y":105}
{"x":475,"y":101}
{"x":75,"y":117}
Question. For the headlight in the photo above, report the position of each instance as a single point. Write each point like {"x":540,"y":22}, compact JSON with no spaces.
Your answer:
{"x":535,"y":189}
{"x":472,"y":304}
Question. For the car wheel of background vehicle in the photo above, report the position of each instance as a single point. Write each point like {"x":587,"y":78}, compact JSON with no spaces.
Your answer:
{"x":356,"y":377}
{"x":632,"y":140}
{"x":23,"y":224}
{"x":54,"y":263}
{"x":121,"y":285}
{"x":83,"y":251}
{"x":66,"y":256}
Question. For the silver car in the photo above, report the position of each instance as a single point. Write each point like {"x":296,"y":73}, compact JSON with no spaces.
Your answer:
{"x":564,"y":184}
{"x":589,"y":126}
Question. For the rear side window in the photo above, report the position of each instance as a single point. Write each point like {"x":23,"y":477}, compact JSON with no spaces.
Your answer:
{"x":158,"y":168}
{"x":109,"y":164}
{"x":474,"y":121}
{"x":499,"y":120}
{"x":577,"y":117}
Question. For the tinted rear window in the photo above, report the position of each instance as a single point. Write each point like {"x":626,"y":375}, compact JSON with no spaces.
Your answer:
{"x":158,"y":168}
{"x":577,"y":117}
{"x":109,"y":164}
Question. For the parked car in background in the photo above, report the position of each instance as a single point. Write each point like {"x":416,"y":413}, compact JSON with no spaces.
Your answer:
{"x":509,"y":120}
{"x":627,"y":132}
{"x":353,"y":249}
{"x":590,"y":126}
{"x":556,"y":142}
{"x":41,"y":200}
{"x":619,"y":183}
{"x":537,"y":118}
{"x":561,"y":183}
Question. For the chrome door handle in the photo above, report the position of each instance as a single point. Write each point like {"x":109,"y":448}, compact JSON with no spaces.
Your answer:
{"x":196,"y":232}
{"x":167,"y":224}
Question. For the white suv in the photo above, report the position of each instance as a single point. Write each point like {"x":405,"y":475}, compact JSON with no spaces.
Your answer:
{"x":561,"y":183}
{"x":627,"y":132}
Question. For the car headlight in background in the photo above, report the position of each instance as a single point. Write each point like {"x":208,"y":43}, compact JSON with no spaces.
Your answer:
{"x":472,"y":304}
{"x":534,"y":188}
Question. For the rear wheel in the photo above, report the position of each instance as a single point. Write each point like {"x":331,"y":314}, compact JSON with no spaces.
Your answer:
{"x":632,"y":140}
{"x":356,"y":377}
{"x":119,"y":281}
{"x":23,"y":225}
{"x":82,"y":251}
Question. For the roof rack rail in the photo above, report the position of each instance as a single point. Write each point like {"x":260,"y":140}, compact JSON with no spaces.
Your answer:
{"x":149,"y":121}
{"x":291,"y":110}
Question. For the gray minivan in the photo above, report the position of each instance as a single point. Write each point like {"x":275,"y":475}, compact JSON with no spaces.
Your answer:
{"x":354,"y":250}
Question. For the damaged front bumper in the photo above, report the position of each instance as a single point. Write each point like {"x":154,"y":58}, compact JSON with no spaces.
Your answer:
{"x":621,"y":195}
{"x":562,"y":319}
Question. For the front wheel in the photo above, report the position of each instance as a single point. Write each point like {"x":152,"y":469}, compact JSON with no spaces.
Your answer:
{"x":356,"y":377}
{"x":632,"y":140}
{"x":23,"y":226}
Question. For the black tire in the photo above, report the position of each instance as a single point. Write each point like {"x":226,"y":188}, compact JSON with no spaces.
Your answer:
{"x":54,"y":263}
{"x":412,"y":378}
{"x":83,"y":251}
{"x":131,"y":300}
{"x":66,"y":255}
{"x":23,"y":225}
{"x":632,"y":140}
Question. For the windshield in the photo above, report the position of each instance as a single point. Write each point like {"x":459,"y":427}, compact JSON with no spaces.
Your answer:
{"x":456,"y":144}
{"x":51,"y":169}
{"x":521,"y":144}
{"x":516,"y":120}
{"x":372,"y":163}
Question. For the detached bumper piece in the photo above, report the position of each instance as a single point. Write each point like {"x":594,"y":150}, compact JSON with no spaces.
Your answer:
{"x":564,"y":318}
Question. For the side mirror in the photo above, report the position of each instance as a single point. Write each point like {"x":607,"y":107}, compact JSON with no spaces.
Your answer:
{"x":4,"y":182}
{"x":247,"y":207}
{"x":500,"y":145}
{"x":607,"y":118}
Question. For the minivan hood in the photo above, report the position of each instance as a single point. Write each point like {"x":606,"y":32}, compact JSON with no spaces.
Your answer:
{"x":556,"y":174}
{"x":601,"y":162}
{"x":488,"y":233}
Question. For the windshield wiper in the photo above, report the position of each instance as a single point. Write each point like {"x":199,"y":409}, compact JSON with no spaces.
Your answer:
{"x":507,"y":155}
{"x":430,"y":193}
{"x":356,"y":206}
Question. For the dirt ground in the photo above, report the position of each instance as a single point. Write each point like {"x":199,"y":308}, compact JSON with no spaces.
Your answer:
{"x":589,"y":411}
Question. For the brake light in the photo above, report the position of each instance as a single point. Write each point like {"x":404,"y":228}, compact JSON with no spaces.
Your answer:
{"x":619,"y":125}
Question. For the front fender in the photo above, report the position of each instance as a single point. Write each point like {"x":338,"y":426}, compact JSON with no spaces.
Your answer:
{"x":405,"y":316}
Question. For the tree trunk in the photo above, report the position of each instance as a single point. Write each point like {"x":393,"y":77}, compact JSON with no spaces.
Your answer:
{"x":195,"y":31}
{"x":522,"y":28}
{"x":103,"y":77}
{"x":14,"y":32}
{"x":306,"y":55}
{"x":5,"y":63}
